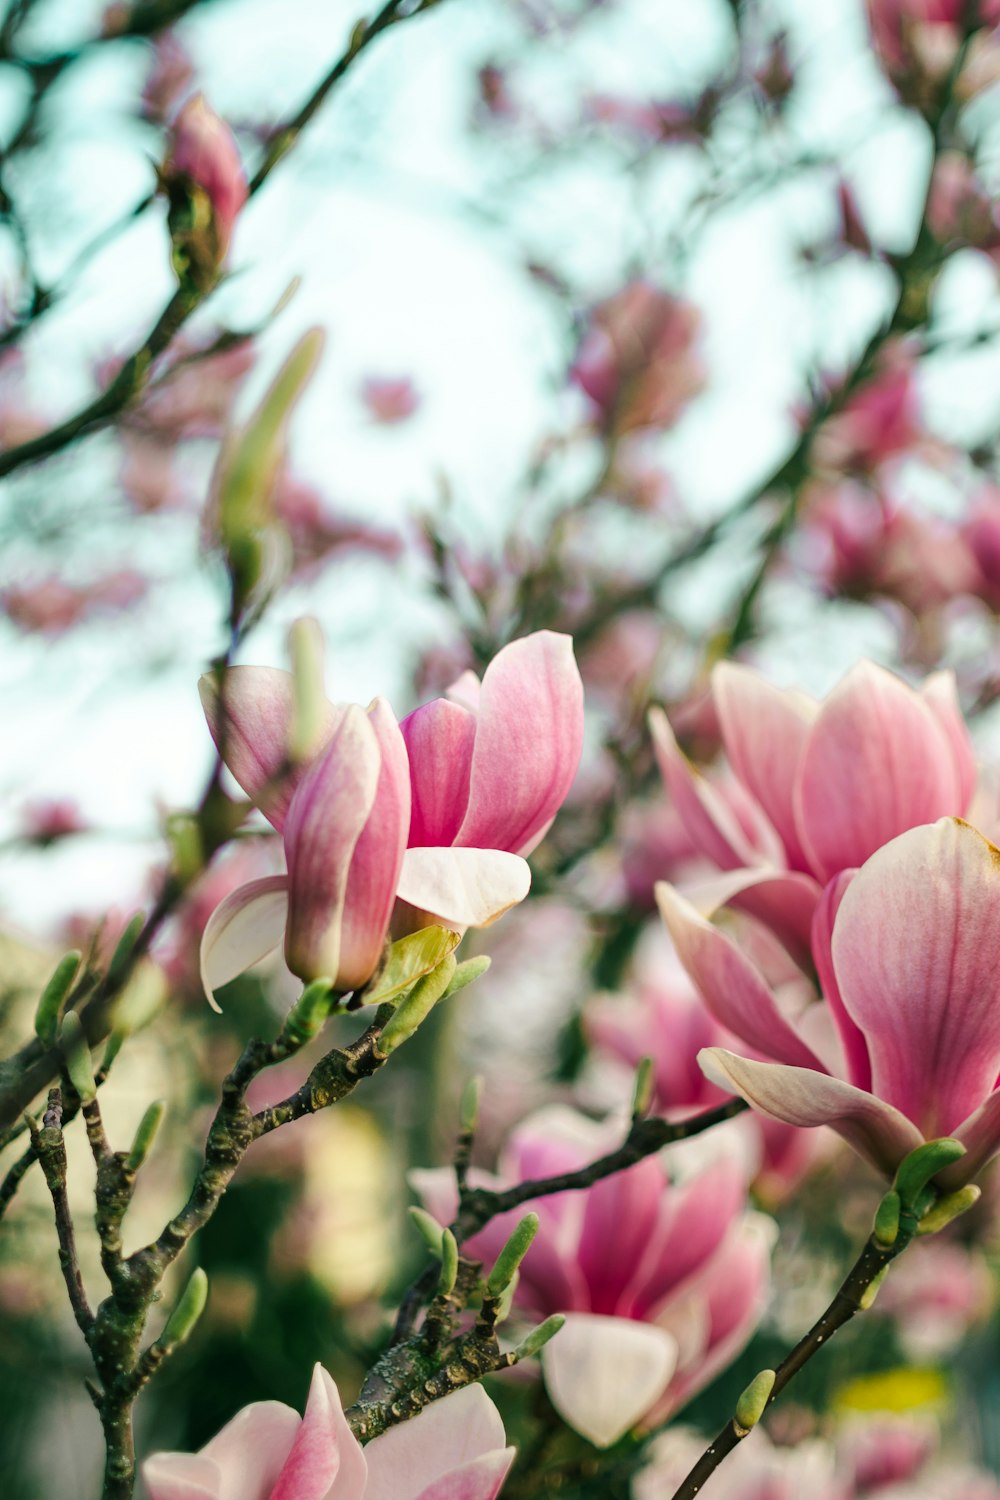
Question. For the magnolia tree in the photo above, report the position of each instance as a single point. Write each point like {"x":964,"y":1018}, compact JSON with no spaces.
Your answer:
{"x":519,"y":1093}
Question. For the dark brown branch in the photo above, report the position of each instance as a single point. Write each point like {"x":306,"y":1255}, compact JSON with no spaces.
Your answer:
{"x":50,"y":1149}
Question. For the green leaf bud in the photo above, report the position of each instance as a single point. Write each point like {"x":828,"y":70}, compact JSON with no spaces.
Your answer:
{"x":512,"y":1254}
{"x":539,"y":1337}
{"x":145,"y":1135}
{"x":916,"y":1170}
{"x":76,"y":1057}
{"x":750,"y":1407}
{"x":189,"y":1309}
{"x":417,"y":1006}
{"x":55,"y":995}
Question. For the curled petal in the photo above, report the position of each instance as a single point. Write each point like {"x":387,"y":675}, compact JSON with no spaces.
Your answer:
{"x":914,"y":948}
{"x":980,"y":1135}
{"x":419,"y":1459}
{"x":852,"y":1038}
{"x":764,"y":730}
{"x":733,"y":988}
{"x":529,"y":737}
{"x":324,"y":1449}
{"x":243,"y":929}
{"x":603,"y":1374}
{"x":439,"y":739}
{"x":799,"y":1096}
{"x":463,"y":887}
{"x":784,"y":901}
{"x":325,"y":821}
{"x":710,"y":823}
{"x":940,"y":692}
{"x":877,"y":762}
{"x":252,"y":733}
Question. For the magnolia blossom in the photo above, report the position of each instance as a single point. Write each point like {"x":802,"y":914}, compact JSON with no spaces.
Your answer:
{"x":454,"y":1450}
{"x":756,"y":1470}
{"x":204,"y":154}
{"x":827,"y":783}
{"x":486,"y":783}
{"x":880,"y":421}
{"x":661,"y":1283}
{"x":919,"y":40}
{"x":905,"y":1043}
{"x":637,"y":361}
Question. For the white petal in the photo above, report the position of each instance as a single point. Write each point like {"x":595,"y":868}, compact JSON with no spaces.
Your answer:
{"x":464,"y":887}
{"x":249,"y":924}
{"x":603,"y":1374}
{"x":446,"y":1435}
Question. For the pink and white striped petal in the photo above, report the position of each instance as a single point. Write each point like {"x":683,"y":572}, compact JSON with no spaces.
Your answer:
{"x":247,"y":926}
{"x":799,"y":1096}
{"x":463,"y":887}
{"x":439,"y":740}
{"x":733,"y":988}
{"x":325,"y":1449}
{"x":710,"y":823}
{"x":242,"y":1462}
{"x":603,"y":1374}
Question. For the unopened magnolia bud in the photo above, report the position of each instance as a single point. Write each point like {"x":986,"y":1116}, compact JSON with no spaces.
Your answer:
{"x":886,"y":1227}
{"x":511,"y":1255}
{"x":642,"y":1091}
{"x":465,"y":972}
{"x":305,"y":640}
{"x":449,"y":1263}
{"x":76,"y":1057}
{"x":206,"y":186}
{"x":123,"y":948}
{"x":948,"y":1208}
{"x":916,"y":1170}
{"x":430,"y":1230}
{"x":189,"y":1309}
{"x":750,"y":1407}
{"x":145,"y":1135}
{"x":539,"y":1337}
{"x":411,"y":1012}
{"x":310,"y":1012}
{"x":54,"y":997}
{"x":468,"y":1109}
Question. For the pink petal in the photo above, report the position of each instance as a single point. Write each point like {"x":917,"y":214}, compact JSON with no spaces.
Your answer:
{"x":254,"y":732}
{"x":603,"y":1374}
{"x":764,"y":731}
{"x":877,"y":762}
{"x":251,"y":1450}
{"x":620,"y":1216}
{"x":325,"y":820}
{"x":242,"y":930}
{"x":980,"y":1135}
{"x":801,"y":1097}
{"x":529,"y":737}
{"x":439,"y":739}
{"x":733,"y":988}
{"x":940,"y":692}
{"x":463,"y":887}
{"x":700,"y":1216}
{"x":710,"y":824}
{"x":852,"y":1038}
{"x":784,"y":902}
{"x":378,"y":855}
{"x":445,"y":1437}
{"x":481,"y":1480}
{"x":915,"y":950}
{"x":466,"y":690}
{"x":324,"y":1449}
{"x":182,"y":1476}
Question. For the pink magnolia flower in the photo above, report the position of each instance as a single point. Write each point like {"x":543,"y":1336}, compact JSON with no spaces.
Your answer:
{"x":886,"y":1450}
{"x":390,"y":398}
{"x":880,"y":421}
{"x":832,"y":781}
{"x":961,"y":211}
{"x":492,"y":763}
{"x":756,"y":1470}
{"x":170,"y":73}
{"x":454,"y":1450}
{"x":941,"y":1290}
{"x":918,"y":40}
{"x":637,"y":361}
{"x":203,"y":153}
{"x":661,"y":1282}
{"x":905,"y":1044}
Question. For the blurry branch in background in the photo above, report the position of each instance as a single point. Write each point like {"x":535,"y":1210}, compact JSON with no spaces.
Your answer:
{"x":135,"y":372}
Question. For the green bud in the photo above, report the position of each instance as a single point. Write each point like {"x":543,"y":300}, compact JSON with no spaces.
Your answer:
{"x":468,"y":1109}
{"x":642,"y":1090}
{"x":429,"y":1228}
{"x":76,"y":1057}
{"x":948,"y":1208}
{"x":465,"y":972}
{"x":55,"y":995}
{"x":886,"y":1227}
{"x":124,"y":946}
{"x":305,"y":640}
{"x":916,"y":1170}
{"x":310,"y":1012}
{"x":144,"y":1136}
{"x":408,"y":960}
{"x":411,"y":1012}
{"x":539,"y":1337}
{"x":512,"y":1254}
{"x":871,"y":1291}
{"x":189,"y":1309}
{"x":449,"y":1263}
{"x":505,"y":1301}
{"x":750,"y":1407}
